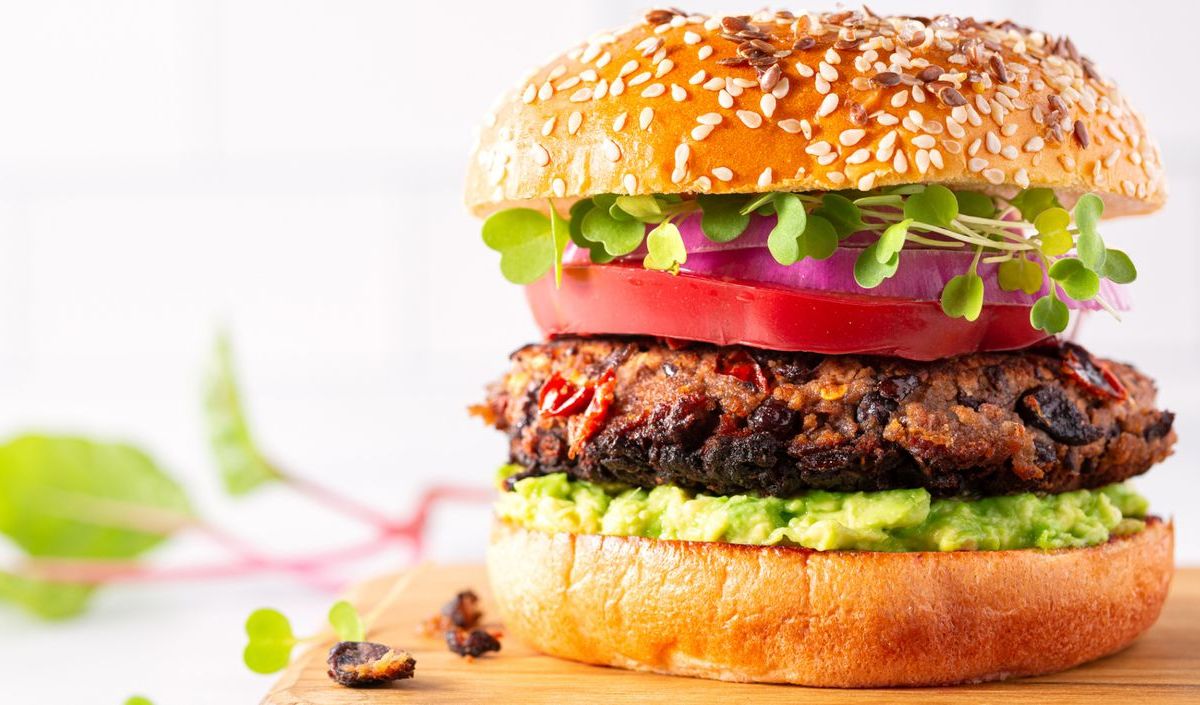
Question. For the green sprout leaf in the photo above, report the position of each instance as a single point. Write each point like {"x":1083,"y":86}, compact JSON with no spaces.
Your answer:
{"x":1050,"y":315}
{"x":270,"y":641}
{"x":1019,"y":274}
{"x":842,"y":214}
{"x":523,"y":238}
{"x":138,"y":700}
{"x":243,"y":467}
{"x":869,"y":271}
{"x":1078,"y":281}
{"x":762,"y":202}
{"x":579,"y":210}
{"x":1052,"y":225}
{"x":346,"y":622}
{"x":665,"y":249}
{"x":935,"y":205}
{"x":619,"y":237}
{"x":784,"y":240}
{"x":892,"y":241}
{"x":820,"y":240}
{"x":1118,"y":267}
{"x":644,"y":208}
{"x":1090,"y":246}
{"x":65,"y":497}
{"x":962,"y":296}
{"x":1032,"y":201}
{"x":722,"y":219}
{"x":975,"y":204}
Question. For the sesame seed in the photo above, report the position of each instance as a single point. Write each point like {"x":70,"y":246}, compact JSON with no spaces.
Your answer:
{"x":804,"y":70}
{"x":619,"y":122}
{"x":645,"y":117}
{"x":859,"y":156}
{"x":992,"y":142}
{"x":540,"y":156}
{"x":900,"y":163}
{"x":723,"y":173}
{"x":548,"y":126}
{"x":765,"y":178}
{"x":977,"y":164}
{"x":699,"y":132}
{"x":828,"y":105}
{"x":922,"y":160}
{"x":639,"y":79}
{"x":629,"y":67}
{"x":827,"y":72}
{"x":1009,"y":152}
{"x":678,"y":94}
{"x":710,"y":119}
{"x":1034,"y":144}
{"x":749,"y":118}
{"x":994,"y":176}
{"x":867,"y":182}
{"x":791,"y":125}
{"x":581,"y":95}
{"x":725,"y":100}
{"x":690,"y":37}
{"x":574,"y":120}
{"x":546,"y":91}
{"x":935,"y":158}
{"x":851,"y":137}
{"x":767,"y":104}
{"x":781,"y":89}
{"x":923,"y":141}
{"x":821,"y":85}
{"x":697,"y":78}
{"x":653,"y":90}
{"x":818,"y":149}
{"x":529,"y":94}
{"x":630,"y":183}
{"x":664,"y":67}
{"x":559,"y":187}
{"x":703,"y":183}
{"x":601,"y":90}
{"x":714,"y":84}
{"x":1022,"y":178}
{"x":612,"y":150}
{"x":682,"y":152}
{"x":617,"y":87}
{"x":704,"y":53}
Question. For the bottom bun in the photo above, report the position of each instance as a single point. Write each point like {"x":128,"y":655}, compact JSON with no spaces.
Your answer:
{"x":838,"y":619}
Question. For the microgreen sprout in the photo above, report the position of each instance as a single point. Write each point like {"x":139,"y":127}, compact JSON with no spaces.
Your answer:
{"x":271,"y":640}
{"x":1038,"y":245}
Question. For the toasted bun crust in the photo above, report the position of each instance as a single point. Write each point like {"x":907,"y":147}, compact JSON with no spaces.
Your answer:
{"x":842,"y":619}
{"x":816,"y":102}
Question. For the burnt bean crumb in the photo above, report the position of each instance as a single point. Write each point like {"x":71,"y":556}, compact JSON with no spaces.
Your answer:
{"x":1049,"y":409}
{"x":359,"y":664}
{"x":1160,"y":427}
{"x":773,"y":417}
{"x":472,"y":643}
{"x":463,"y":611}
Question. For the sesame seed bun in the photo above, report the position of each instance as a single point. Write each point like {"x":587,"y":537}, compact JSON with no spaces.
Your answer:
{"x":686,"y":104}
{"x":839,"y":618}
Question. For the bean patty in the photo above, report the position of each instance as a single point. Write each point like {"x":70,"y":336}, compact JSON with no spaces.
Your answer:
{"x":730,"y":420}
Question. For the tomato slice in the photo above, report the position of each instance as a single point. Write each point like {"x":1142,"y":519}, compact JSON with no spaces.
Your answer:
{"x":619,"y":299}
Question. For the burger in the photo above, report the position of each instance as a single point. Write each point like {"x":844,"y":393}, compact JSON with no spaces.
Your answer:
{"x":807,"y":409}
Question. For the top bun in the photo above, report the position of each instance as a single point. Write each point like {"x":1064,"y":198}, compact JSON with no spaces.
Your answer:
{"x":822,"y":101}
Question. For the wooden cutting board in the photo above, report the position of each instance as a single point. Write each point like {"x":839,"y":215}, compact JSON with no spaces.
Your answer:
{"x":1161,"y":667}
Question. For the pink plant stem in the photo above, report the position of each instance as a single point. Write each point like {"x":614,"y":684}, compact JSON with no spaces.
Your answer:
{"x":338,"y":502}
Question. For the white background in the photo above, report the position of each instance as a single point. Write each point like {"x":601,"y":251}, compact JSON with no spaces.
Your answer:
{"x":292,"y":169}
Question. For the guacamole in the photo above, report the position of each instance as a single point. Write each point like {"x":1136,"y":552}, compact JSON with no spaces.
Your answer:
{"x":891,"y":520}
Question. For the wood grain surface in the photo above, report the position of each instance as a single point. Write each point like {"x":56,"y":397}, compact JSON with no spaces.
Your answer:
{"x":1161,"y":667}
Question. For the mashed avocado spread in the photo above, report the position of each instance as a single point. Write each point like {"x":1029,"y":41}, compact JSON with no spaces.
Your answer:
{"x":892,"y":520}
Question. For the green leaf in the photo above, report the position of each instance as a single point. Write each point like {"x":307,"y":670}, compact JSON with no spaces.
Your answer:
{"x":45,"y":599}
{"x":784,"y":240}
{"x":643,"y":208}
{"x":842,"y":214}
{"x":522,"y":237}
{"x":1078,"y":281}
{"x":243,"y":467}
{"x":758,"y":202}
{"x":665,"y":248}
{"x":1020,"y":274}
{"x":975,"y":204}
{"x":138,"y":700}
{"x":892,"y":241}
{"x":1118,"y":267}
{"x":1050,"y":315}
{"x":1032,"y":201}
{"x":935,"y":205}
{"x":619,"y":237}
{"x":1089,"y":245}
{"x":271,"y":641}
{"x":869,"y":272}
{"x":64,"y":497}
{"x":722,"y":219}
{"x":1052,"y":225}
{"x":70,"y":497}
{"x":962,"y":296}
{"x":346,"y":622}
{"x":579,"y":210}
{"x":820,"y":240}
